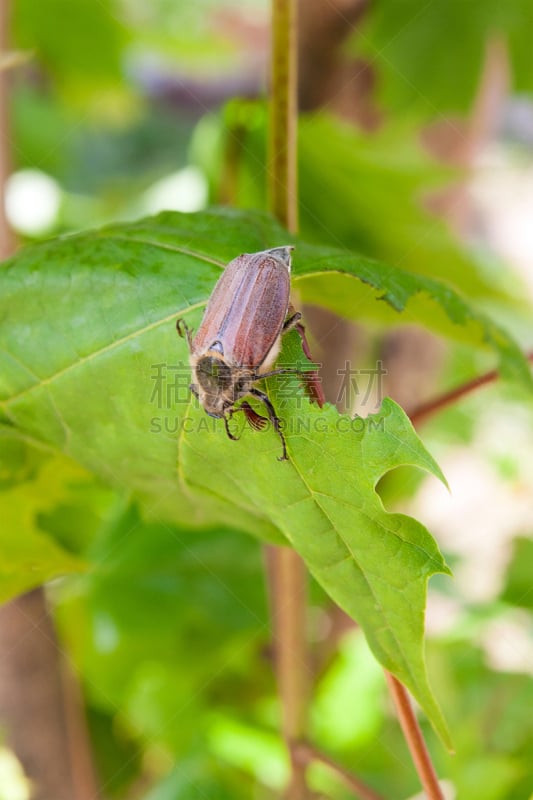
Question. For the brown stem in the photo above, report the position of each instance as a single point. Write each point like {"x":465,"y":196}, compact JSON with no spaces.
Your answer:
{"x":307,"y":753}
{"x":425,"y":410}
{"x":414,"y":738}
{"x":283,"y":115}
{"x":43,"y":722}
{"x":7,"y":241}
{"x":286,"y":572}
{"x":287,"y":579}
{"x":79,"y":753}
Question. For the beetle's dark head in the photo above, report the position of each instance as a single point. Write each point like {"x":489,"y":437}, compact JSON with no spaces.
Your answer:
{"x":218,"y":384}
{"x":215,"y":384}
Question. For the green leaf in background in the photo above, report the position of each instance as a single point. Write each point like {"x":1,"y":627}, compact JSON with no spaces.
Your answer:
{"x":258,"y":752}
{"x":431,"y":55}
{"x":28,"y":556}
{"x":346,"y":710}
{"x":196,"y":779}
{"x":117,"y":757}
{"x":85,"y":322}
{"x":145,"y":648}
{"x":63,"y":36}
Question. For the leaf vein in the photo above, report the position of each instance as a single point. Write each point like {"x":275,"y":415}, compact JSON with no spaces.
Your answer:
{"x":107,"y":348}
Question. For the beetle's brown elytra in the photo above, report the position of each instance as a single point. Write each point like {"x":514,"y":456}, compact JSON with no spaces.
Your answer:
{"x":240,"y":335}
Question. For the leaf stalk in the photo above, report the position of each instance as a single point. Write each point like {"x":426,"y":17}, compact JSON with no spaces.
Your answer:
{"x":425,"y":410}
{"x":415,"y":740}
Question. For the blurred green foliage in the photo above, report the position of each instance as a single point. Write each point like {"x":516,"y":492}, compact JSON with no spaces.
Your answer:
{"x":431,"y":55}
{"x":518,"y":589}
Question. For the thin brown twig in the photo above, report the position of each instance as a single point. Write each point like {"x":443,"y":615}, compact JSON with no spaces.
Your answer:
{"x":415,"y":740}
{"x":425,"y":410}
{"x":308,"y":753}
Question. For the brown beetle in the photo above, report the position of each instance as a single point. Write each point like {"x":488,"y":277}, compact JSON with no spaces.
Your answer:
{"x":240,"y":335}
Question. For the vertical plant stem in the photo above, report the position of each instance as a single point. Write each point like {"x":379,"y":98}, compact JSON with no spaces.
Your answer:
{"x":7,"y":241}
{"x":282,"y":159}
{"x":287,"y":581}
{"x":286,"y":571}
{"x":414,"y":738}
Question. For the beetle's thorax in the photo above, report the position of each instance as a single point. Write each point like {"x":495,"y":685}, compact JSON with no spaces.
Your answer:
{"x":218,"y":384}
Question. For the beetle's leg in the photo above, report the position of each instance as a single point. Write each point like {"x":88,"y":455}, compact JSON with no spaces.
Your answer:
{"x":291,"y":322}
{"x":310,"y":378}
{"x":305,"y":344}
{"x":184,"y":331}
{"x":294,"y":322}
{"x":226,"y":424}
{"x":313,"y":384}
{"x":273,"y":419}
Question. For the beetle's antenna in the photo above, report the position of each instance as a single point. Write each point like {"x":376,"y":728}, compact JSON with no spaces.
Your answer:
{"x":184,"y":331}
{"x":254,"y":420}
{"x":293,"y":322}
